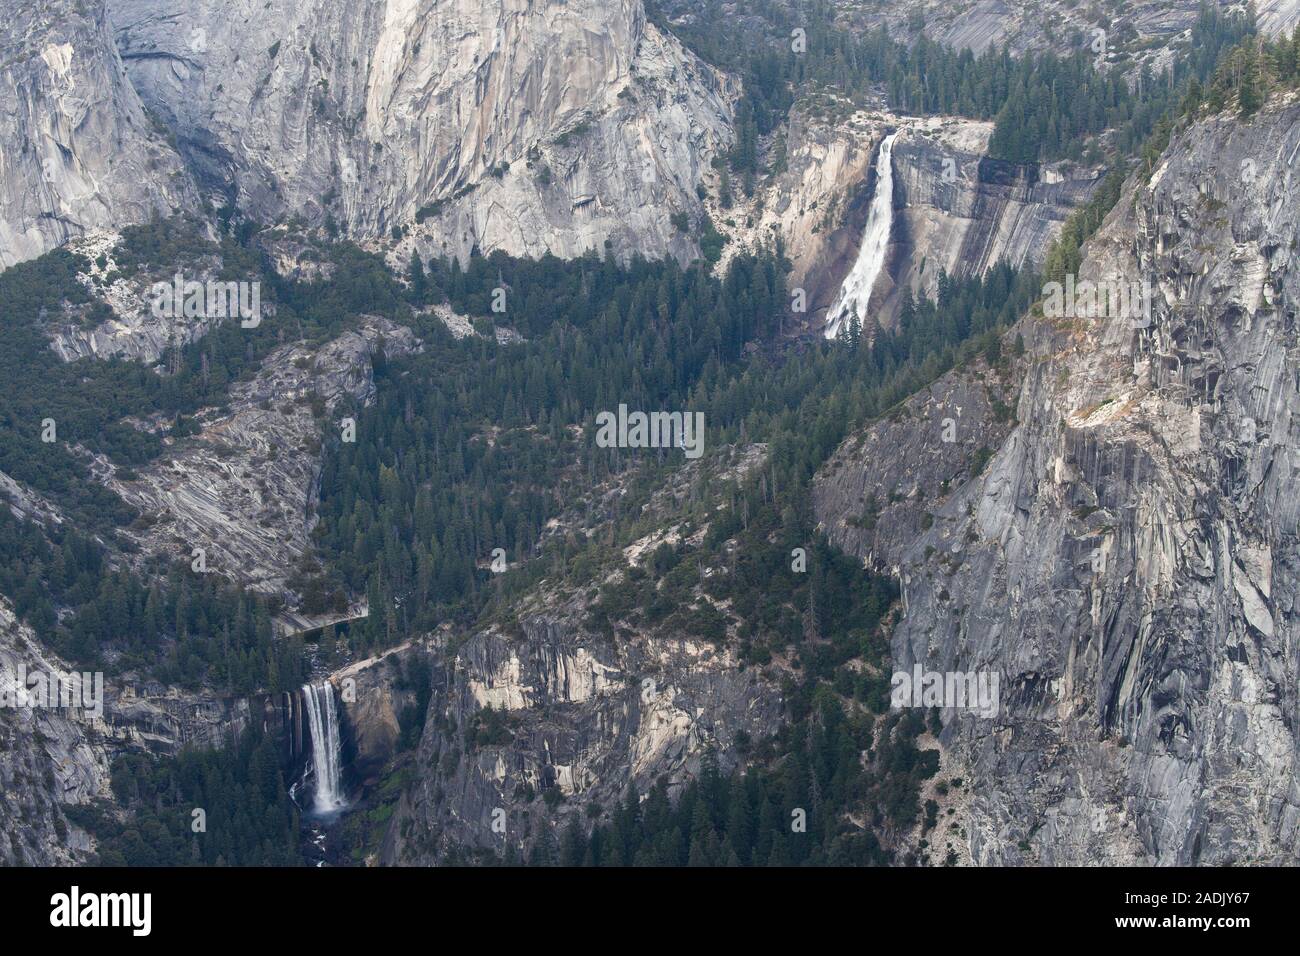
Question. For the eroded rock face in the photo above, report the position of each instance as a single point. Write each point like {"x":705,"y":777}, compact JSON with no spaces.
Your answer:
{"x":1278,"y":17}
{"x":136,"y":330}
{"x":581,"y":716}
{"x":1026,"y":25}
{"x":954,"y":209}
{"x":1141,"y":28}
{"x":375,"y":696}
{"x":77,"y":152}
{"x":882,"y":486}
{"x":817,"y":205}
{"x":1126,"y":561}
{"x":46,"y":759}
{"x":514,"y":124}
{"x":52,"y":757}
{"x":244,"y":489}
{"x":26,"y":504}
{"x":961,"y":212}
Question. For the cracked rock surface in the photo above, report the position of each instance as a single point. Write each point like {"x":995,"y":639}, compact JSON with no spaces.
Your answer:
{"x":518,"y":125}
{"x":77,"y":152}
{"x":1126,"y":561}
{"x":586,"y":717}
{"x":244,"y":488}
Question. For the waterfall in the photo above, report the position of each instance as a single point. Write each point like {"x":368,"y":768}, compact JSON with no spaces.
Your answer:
{"x":326,"y":760}
{"x":856,"y":291}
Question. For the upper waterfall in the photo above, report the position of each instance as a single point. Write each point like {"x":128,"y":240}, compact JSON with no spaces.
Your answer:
{"x":856,"y":291}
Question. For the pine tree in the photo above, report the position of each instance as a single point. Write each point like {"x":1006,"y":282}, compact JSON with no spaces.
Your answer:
{"x":1251,"y":89}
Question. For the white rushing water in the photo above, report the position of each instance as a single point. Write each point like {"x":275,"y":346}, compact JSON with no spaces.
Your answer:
{"x":326,"y":758}
{"x":856,"y":291}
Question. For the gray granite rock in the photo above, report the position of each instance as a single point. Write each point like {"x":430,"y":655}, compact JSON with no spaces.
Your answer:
{"x":536,"y":127}
{"x":1125,"y":562}
{"x":77,"y":152}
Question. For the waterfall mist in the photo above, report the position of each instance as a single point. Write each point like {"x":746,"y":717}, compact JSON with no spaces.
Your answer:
{"x":326,"y":751}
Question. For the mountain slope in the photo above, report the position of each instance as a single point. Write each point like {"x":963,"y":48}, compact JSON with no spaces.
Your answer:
{"x":1126,"y":559}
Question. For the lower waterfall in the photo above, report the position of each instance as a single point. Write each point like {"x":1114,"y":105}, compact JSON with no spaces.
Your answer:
{"x":856,"y":291}
{"x":326,"y":751}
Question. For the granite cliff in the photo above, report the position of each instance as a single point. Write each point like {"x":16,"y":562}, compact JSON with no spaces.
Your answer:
{"x":1123,"y":555}
{"x":77,"y":150}
{"x":516,"y":125}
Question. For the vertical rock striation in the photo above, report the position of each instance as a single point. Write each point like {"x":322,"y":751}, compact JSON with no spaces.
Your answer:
{"x":962,"y":212}
{"x":524,"y":125}
{"x":1126,"y":561}
{"x":77,"y":152}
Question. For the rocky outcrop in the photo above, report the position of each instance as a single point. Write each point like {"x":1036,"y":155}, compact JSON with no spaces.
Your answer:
{"x":575,"y":719}
{"x":47,"y":758}
{"x":26,"y":504}
{"x":816,"y":205}
{"x":954,"y":208}
{"x":56,"y":753}
{"x":77,"y":152}
{"x":518,"y":125}
{"x":243,"y":489}
{"x":377,"y":694}
{"x":919,"y":455}
{"x":1139,"y":31}
{"x":1278,"y":17}
{"x":1026,"y":25}
{"x":1125,"y":561}
{"x":135,"y":329}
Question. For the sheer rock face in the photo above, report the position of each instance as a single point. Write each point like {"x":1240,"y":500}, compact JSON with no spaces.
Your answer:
{"x":1278,"y":16}
{"x":962,"y":212}
{"x":244,"y":489}
{"x":916,"y":460}
{"x":1126,"y":561}
{"x":818,"y":204}
{"x":523,"y":125}
{"x":46,"y":759}
{"x":955,"y":209}
{"x":77,"y":152}
{"x":374,"y":695}
{"x":583,"y":716}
